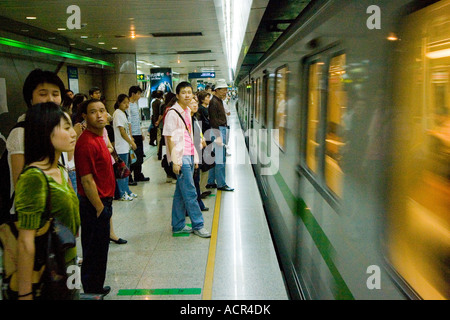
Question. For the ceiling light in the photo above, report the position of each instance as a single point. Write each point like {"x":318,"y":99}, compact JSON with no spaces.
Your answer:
{"x":84,"y":37}
{"x":31,"y":18}
{"x":114,"y":48}
{"x":392,"y":36}
{"x":88,"y":48}
{"x":101,"y":43}
{"x":62,"y":29}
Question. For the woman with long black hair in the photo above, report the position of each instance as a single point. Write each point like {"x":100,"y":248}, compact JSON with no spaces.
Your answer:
{"x":48,"y":133}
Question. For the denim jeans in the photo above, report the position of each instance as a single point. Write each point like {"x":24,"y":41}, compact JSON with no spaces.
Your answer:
{"x":197,"y":188}
{"x":73,"y":179}
{"x":218,"y":172}
{"x":185,"y":198}
{"x":123,"y":183}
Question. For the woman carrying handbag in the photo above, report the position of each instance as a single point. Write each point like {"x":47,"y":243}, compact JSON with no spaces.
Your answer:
{"x":48,"y":133}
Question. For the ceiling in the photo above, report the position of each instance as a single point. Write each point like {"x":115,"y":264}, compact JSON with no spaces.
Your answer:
{"x":186,"y":35}
{"x":278,"y":16}
{"x":110,"y":24}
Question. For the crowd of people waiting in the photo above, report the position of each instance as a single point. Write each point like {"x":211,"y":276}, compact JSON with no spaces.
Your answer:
{"x":74,"y":141}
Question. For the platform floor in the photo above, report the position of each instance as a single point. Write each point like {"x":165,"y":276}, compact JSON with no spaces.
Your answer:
{"x":237,"y":262}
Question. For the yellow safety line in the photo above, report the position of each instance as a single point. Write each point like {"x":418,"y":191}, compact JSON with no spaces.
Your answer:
{"x":209,"y":276}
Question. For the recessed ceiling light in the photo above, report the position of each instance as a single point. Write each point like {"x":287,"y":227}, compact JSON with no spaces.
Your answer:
{"x":114,"y":48}
{"x":84,"y":37}
{"x":101,"y":43}
{"x":88,"y":48}
{"x":31,"y":18}
{"x":62,"y":29}
{"x":72,"y":43}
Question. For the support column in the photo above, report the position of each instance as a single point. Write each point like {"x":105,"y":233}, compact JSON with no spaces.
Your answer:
{"x":120,"y":79}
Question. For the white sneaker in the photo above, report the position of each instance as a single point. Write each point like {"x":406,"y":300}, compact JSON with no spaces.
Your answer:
{"x":203,"y":233}
{"x":186,"y":229}
{"x":126,"y":197}
{"x":133,"y":195}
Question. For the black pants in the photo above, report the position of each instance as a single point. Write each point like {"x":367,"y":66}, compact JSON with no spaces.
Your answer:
{"x":95,"y":244}
{"x":137,"y":166}
{"x":153,"y":135}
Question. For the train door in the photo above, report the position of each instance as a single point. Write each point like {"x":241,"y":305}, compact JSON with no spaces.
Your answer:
{"x":324,"y":112}
{"x":253,"y":132}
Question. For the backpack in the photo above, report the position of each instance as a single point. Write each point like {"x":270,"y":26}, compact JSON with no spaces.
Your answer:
{"x":6,"y":201}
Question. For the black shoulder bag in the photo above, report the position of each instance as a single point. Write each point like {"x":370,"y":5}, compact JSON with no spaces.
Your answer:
{"x":59,"y":240}
{"x":51,"y":246}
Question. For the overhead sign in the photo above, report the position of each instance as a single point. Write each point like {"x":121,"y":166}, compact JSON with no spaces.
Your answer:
{"x":72,"y":73}
{"x":200,"y":75}
{"x":141,"y":77}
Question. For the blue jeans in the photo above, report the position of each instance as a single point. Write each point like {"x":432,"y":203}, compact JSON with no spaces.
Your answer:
{"x":197,"y":189}
{"x":218,"y":172}
{"x":73,"y":179}
{"x":123,"y":183}
{"x":185,"y":198}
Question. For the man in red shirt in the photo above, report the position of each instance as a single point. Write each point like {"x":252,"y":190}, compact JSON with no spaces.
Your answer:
{"x":96,"y":181}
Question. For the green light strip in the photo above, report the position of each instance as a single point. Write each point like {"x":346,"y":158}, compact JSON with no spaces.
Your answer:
{"x":32,"y":47}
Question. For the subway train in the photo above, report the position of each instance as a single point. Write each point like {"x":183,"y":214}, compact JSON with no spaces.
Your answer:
{"x":347,"y":123}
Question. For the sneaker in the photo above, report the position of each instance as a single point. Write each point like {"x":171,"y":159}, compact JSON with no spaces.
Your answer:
{"x":186,"y":229}
{"x":126,"y":197}
{"x":133,"y":195}
{"x":202,"y":233}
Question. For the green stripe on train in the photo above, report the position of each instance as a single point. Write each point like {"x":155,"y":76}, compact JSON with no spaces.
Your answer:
{"x":326,"y":249}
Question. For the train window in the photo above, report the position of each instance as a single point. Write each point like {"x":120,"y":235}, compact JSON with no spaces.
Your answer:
{"x":280,"y":117}
{"x":266,"y":94}
{"x":257,"y":99}
{"x":336,"y":108}
{"x":314,"y":102}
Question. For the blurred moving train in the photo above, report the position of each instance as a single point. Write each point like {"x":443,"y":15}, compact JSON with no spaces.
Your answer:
{"x":356,"y":100}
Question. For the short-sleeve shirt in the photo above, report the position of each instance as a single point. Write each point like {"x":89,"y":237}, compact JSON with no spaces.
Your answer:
{"x":188,"y":143}
{"x":175,"y":128}
{"x":93,"y":157}
{"x":31,"y":198}
{"x":120,"y":120}
{"x":15,"y":145}
{"x":135,"y":120}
